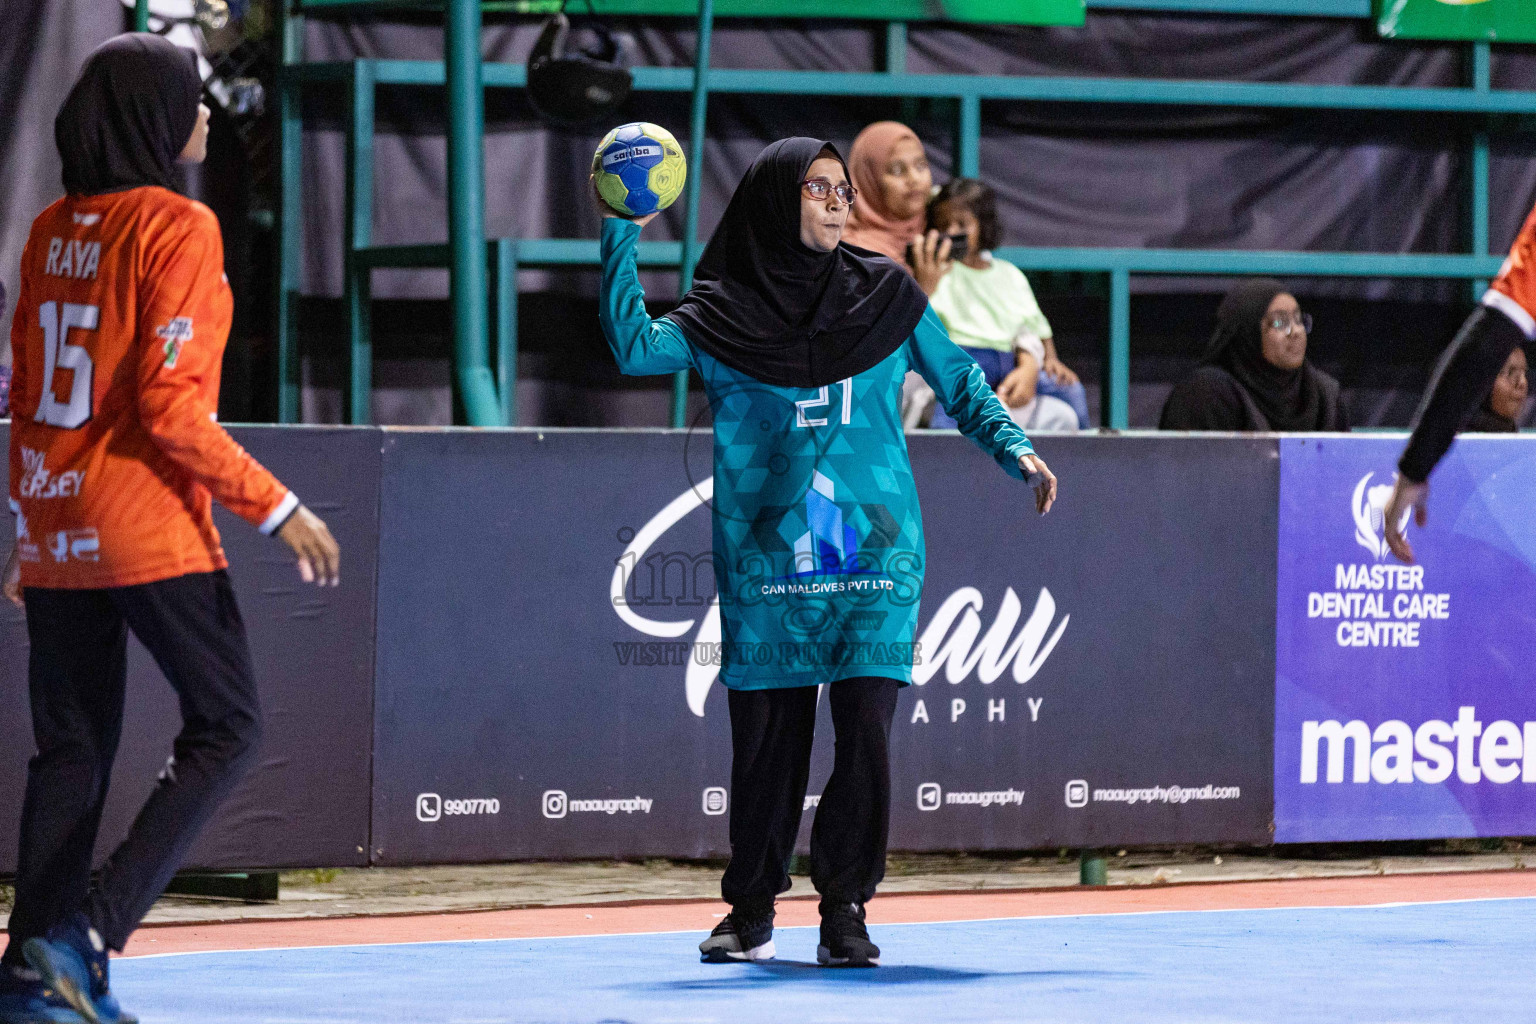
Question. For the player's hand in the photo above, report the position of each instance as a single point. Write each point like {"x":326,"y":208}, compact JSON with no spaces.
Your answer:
{"x":930,"y":260}
{"x":608,"y":211}
{"x":1039,"y":476}
{"x":1405,"y":495}
{"x":319,"y":554}
{"x":12,"y":580}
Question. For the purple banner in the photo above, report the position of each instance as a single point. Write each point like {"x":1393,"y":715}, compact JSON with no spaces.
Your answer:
{"x":1405,"y":696}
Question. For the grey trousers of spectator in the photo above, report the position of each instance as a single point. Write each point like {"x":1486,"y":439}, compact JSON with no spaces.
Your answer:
{"x":771,"y":733}
{"x":77,"y":675}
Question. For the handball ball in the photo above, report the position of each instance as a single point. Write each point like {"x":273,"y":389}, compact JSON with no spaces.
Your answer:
{"x":639,"y":169}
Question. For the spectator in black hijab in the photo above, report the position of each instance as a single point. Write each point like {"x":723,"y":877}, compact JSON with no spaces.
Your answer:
{"x":1255,"y":375}
{"x":1501,"y":409}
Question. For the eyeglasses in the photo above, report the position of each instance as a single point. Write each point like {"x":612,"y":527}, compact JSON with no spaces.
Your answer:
{"x":820,"y":188}
{"x":1281,"y":323}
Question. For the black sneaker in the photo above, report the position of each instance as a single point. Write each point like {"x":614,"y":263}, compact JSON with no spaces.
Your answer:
{"x":742,"y":935}
{"x":844,"y":939}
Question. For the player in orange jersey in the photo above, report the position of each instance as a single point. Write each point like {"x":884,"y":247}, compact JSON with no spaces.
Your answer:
{"x":115,"y":458}
{"x":1502,"y":322}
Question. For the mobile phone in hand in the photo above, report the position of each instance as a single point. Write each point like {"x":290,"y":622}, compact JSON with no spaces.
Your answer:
{"x":959,"y":248}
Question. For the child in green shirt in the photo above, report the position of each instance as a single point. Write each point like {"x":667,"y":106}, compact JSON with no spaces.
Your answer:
{"x":990,"y":311}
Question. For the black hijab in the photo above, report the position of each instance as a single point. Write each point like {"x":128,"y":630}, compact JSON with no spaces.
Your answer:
{"x":1301,"y":399}
{"x":769,"y":306}
{"x":128,"y":116}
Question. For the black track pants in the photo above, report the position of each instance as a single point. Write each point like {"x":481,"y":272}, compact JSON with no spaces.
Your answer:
{"x":771,"y":732}
{"x":77,"y":675}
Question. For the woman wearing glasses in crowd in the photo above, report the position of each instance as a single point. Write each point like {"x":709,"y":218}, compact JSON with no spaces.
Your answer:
{"x":1255,"y":375}
{"x":889,"y":166}
{"x":802,"y":342}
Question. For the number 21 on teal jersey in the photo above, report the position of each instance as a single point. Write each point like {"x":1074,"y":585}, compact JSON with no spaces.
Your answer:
{"x":822,"y":399}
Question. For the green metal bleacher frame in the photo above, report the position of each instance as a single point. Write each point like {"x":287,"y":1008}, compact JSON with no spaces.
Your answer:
{"x":487,"y":397}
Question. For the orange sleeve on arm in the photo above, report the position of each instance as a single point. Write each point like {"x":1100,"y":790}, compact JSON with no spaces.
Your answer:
{"x":183,"y":327}
{"x":1513,"y":292}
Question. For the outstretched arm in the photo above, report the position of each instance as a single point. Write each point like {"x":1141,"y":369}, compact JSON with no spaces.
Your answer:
{"x":176,"y":359}
{"x":1461,"y":380}
{"x":961,"y":388}
{"x":641,"y":345}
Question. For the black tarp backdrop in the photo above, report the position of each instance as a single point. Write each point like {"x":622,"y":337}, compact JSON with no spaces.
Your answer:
{"x":42,"y":45}
{"x":506,"y":674}
{"x":307,"y":802}
{"x":1207,"y":178}
{"x":1067,"y":174}
{"x":41,"y":49}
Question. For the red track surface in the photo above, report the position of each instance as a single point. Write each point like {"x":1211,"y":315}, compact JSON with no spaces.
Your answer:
{"x":610,"y":919}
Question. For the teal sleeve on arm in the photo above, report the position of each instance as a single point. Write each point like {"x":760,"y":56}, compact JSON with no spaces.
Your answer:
{"x":641,"y":345}
{"x":962,"y":390}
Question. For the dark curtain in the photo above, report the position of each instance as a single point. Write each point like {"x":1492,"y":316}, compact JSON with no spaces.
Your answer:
{"x":42,"y":44}
{"x":1067,"y":174}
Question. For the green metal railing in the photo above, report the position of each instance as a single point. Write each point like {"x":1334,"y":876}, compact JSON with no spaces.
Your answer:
{"x":467,"y":250}
{"x":696,"y":119}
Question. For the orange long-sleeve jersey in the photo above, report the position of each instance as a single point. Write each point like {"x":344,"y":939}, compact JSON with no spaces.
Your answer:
{"x":1513,"y":292}
{"x":117,"y":340}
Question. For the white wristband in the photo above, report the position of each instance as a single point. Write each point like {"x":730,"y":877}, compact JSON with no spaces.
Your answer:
{"x":280,"y":514}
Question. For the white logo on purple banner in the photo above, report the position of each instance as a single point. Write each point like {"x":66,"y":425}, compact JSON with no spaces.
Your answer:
{"x":960,"y":644}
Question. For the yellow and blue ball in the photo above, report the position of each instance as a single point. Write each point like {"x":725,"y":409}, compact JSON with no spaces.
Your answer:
{"x":639,"y":168}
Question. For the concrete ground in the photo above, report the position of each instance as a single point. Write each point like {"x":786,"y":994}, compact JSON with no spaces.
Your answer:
{"x":426,"y":890}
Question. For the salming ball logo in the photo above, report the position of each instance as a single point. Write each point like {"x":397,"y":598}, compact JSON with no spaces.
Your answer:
{"x":615,"y":157}
{"x":1369,"y":506}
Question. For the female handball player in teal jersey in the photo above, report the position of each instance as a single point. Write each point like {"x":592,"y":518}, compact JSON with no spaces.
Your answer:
{"x":802,"y":342}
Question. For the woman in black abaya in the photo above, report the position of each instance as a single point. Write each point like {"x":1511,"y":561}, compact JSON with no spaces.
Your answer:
{"x":1255,"y":375}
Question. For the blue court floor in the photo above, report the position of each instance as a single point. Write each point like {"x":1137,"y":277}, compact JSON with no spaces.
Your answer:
{"x":1440,"y":963}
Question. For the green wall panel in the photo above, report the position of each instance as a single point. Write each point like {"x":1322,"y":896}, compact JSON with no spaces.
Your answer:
{"x":1508,"y":21}
{"x":999,"y":12}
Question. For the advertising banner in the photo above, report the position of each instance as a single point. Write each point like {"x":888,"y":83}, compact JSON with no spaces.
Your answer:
{"x":1404,"y":705}
{"x":546,"y":615}
{"x":307,"y":800}
{"x":1504,"y":21}
{"x":997,"y":12}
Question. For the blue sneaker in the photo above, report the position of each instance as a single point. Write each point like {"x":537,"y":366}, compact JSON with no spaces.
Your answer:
{"x":24,"y":999}
{"x":73,"y":961}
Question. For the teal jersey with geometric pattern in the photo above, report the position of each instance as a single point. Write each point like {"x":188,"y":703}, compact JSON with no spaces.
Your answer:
{"x":818,"y":537}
